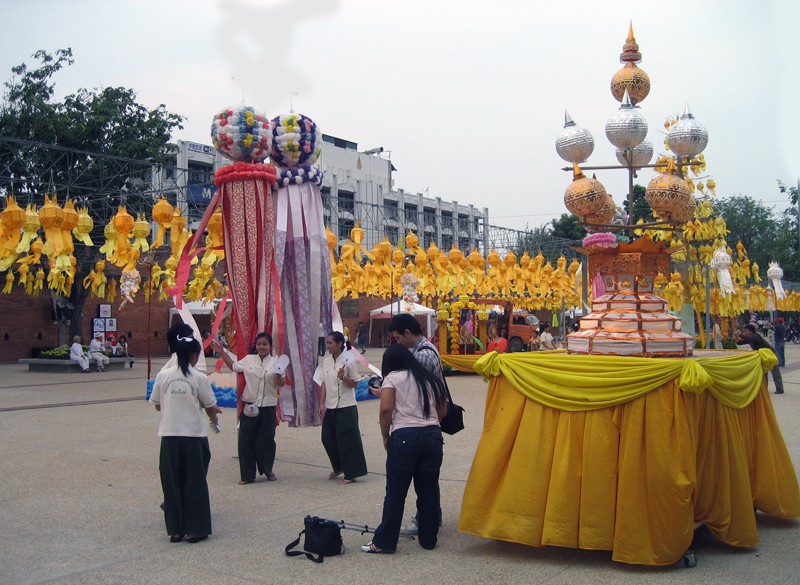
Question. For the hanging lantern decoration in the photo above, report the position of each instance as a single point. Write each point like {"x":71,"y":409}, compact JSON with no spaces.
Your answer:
{"x":123,"y":225}
{"x":687,"y":137}
{"x":13,"y":218}
{"x":141,"y":230}
{"x":51,"y":216}
{"x":575,"y":144}
{"x":178,"y":236}
{"x":775,"y":274}
{"x":669,"y":196}
{"x":628,"y":127}
{"x":110,"y":234}
{"x":71,"y":220}
{"x":84,"y":228}
{"x":630,"y":78}
{"x":584,"y":196}
{"x":720,"y":264}
{"x":215,"y":250}
{"x":129,"y":286}
{"x":30,"y":229}
{"x":162,"y":215}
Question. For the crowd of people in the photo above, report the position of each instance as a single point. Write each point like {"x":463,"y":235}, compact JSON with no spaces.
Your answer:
{"x":412,"y":402}
{"x":99,"y":351}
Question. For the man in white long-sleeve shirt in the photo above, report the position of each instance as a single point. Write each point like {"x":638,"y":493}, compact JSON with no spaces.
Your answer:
{"x":76,"y":353}
{"x":97,"y":353}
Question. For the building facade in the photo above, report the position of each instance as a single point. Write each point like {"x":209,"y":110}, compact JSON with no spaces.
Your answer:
{"x":358,"y":186}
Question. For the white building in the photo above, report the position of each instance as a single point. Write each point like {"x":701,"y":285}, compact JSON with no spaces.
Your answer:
{"x":357,"y":186}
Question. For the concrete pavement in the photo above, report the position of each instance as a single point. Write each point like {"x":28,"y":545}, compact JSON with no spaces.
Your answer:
{"x":80,"y":490}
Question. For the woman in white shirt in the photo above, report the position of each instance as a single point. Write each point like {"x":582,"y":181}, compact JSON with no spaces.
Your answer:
{"x":341,"y":436}
{"x":180,"y":394}
{"x":546,"y":341}
{"x":413,"y":401}
{"x":259,"y":417}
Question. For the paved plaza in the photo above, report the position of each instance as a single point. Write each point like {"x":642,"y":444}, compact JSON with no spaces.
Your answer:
{"x":80,"y":495}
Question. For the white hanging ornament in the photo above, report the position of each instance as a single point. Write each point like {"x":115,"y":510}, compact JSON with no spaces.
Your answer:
{"x":720,"y":264}
{"x":775,"y":273}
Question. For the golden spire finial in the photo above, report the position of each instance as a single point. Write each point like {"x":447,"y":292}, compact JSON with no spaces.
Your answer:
{"x":630,"y":50}
{"x":577,"y":173}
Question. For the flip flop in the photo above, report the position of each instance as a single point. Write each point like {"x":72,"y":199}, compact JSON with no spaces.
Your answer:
{"x":345,"y":481}
{"x":245,"y":481}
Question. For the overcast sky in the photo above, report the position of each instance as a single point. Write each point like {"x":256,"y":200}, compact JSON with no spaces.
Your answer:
{"x":467,"y":95}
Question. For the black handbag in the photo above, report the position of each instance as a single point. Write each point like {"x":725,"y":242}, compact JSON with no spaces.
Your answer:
{"x":453,"y":421}
{"x":322,"y":538}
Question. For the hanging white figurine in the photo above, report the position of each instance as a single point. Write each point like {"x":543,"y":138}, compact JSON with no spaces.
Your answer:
{"x":720,"y":263}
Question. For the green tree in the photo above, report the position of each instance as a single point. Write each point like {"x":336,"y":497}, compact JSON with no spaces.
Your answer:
{"x":763,"y":232}
{"x":568,"y":227}
{"x":100,"y":146}
{"x":788,"y":242}
{"x":641,"y":209}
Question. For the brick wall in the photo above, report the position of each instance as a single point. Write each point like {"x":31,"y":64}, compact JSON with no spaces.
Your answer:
{"x":26,"y":323}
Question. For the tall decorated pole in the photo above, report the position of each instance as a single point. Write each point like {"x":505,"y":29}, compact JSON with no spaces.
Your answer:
{"x":302,"y":295}
{"x":244,"y":191}
{"x":248,"y":218}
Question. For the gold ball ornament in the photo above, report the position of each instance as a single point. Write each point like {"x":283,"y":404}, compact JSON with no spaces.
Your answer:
{"x":670,"y":197}
{"x":603,"y":216}
{"x":630,"y":77}
{"x":584,"y":196}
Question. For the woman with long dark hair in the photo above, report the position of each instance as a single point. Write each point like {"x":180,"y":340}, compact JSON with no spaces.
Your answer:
{"x":180,"y":394}
{"x":413,"y":401}
{"x":256,"y":441}
{"x":341,"y":436}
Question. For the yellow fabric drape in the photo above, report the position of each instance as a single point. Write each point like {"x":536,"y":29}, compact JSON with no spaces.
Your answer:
{"x":581,"y":382}
{"x":631,"y":476}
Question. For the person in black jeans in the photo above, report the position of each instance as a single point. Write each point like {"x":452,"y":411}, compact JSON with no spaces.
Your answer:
{"x":748,"y":335}
{"x":413,"y":401}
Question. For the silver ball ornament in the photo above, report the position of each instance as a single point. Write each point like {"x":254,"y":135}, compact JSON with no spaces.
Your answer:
{"x":628,"y":127}
{"x":642,"y":154}
{"x":687,"y":136}
{"x":574,"y":143}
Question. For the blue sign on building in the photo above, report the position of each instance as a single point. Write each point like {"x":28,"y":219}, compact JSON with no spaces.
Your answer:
{"x":200,"y":193}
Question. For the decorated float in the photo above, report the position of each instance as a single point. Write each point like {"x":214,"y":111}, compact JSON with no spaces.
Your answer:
{"x":630,"y":439}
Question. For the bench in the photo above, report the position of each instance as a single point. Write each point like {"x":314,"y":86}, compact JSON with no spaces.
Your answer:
{"x":56,"y":365}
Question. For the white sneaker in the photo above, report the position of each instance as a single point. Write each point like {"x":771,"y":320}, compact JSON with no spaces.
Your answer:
{"x":410,"y":530}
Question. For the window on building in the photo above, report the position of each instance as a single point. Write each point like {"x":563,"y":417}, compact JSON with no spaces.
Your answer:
{"x":391,"y":232}
{"x":200,"y":173}
{"x":390,"y":209}
{"x":411,"y":214}
{"x":347,"y":201}
{"x":447,"y":241}
{"x":345,"y":225}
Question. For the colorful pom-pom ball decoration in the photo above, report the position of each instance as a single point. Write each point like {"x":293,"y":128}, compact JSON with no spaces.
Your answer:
{"x":296,"y":141}
{"x":241,"y":134}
